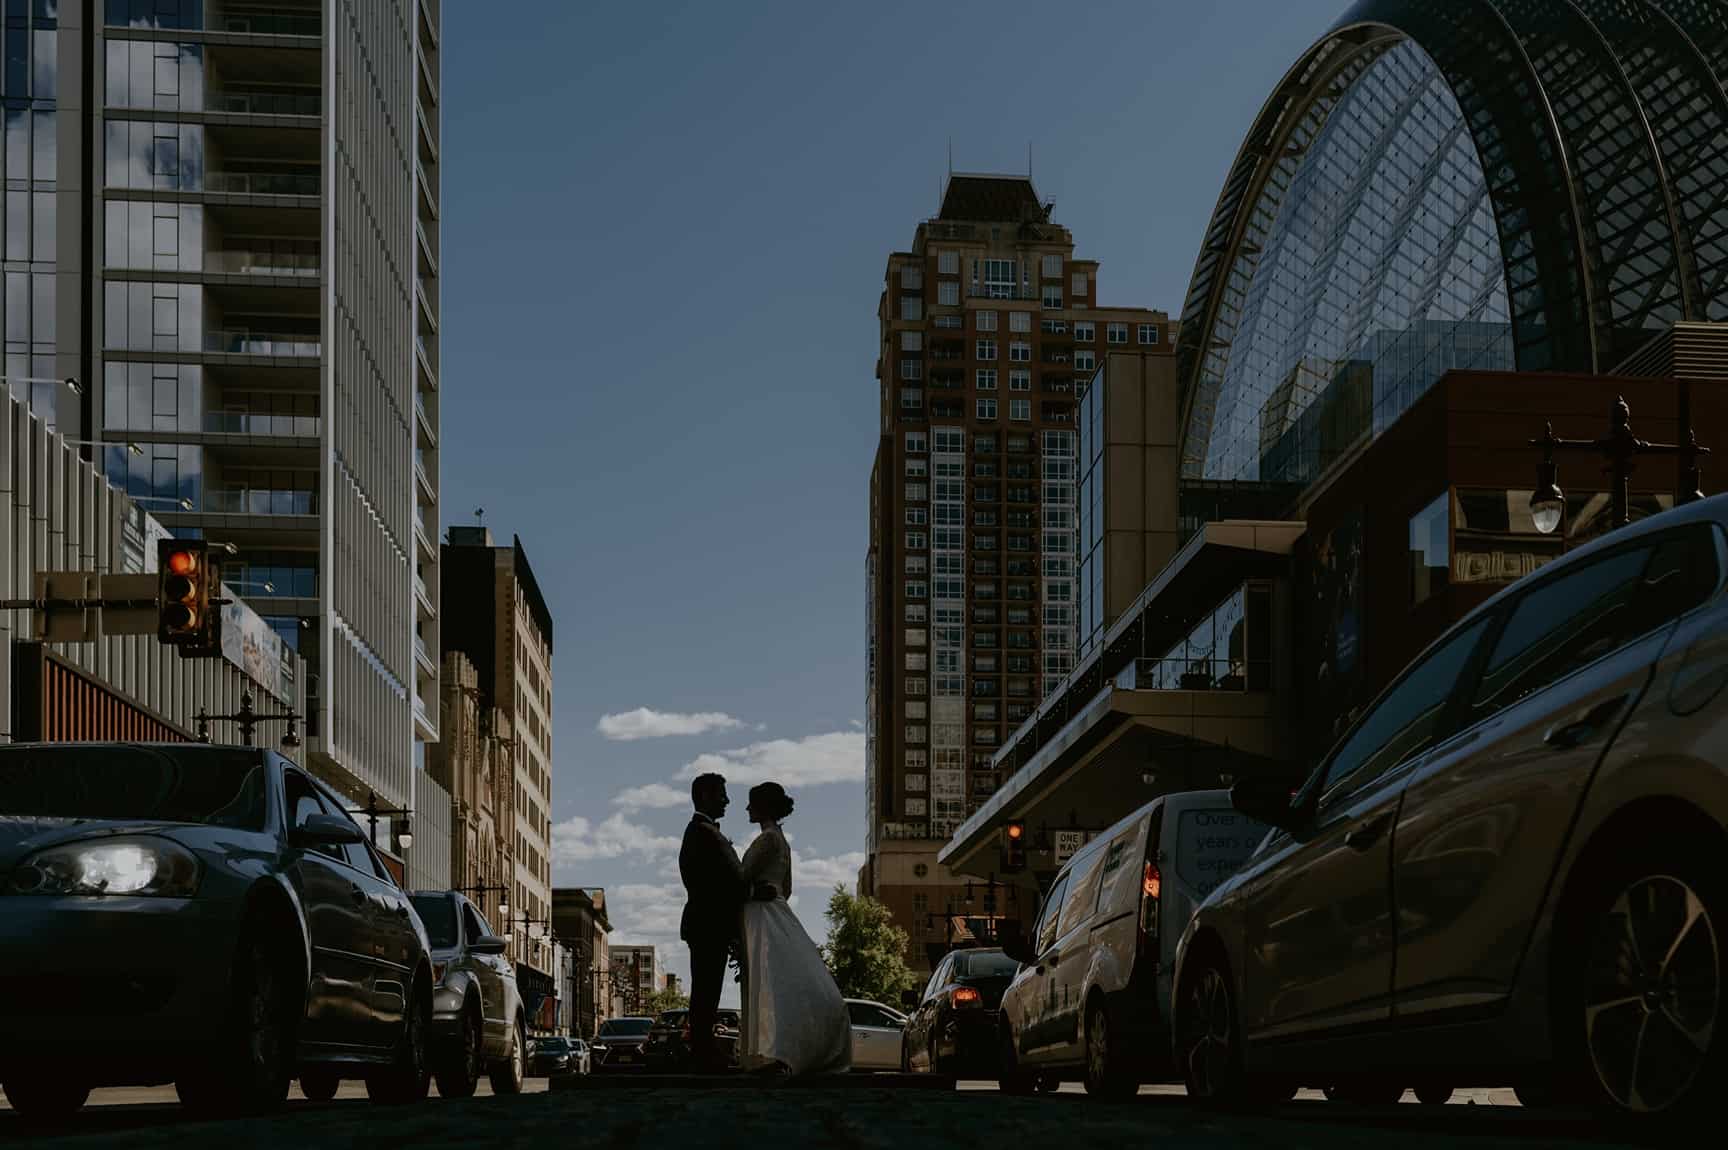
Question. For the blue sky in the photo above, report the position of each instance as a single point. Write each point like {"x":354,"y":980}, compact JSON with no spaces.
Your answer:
{"x":664,"y":234}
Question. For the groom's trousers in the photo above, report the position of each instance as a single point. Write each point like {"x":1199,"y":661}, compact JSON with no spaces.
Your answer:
{"x":707,"y":973}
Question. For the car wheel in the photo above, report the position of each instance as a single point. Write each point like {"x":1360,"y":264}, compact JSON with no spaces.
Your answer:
{"x":1108,"y":1073}
{"x":1011,"y":1078}
{"x":45,"y":1099}
{"x":319,"y":1085}
{"x":1433,"y":1093}
{"x":1640,"y":1027}
{"x":409,"y":1074}
{"x":1049,"y":1084}
{"x":1366,"y":1092}
{"x":506,"y":1076}
{"x":1206,"y":1038}
{"x":459,"y":1068}
{"x":251,"y":1067}
{"x":937,"y":1066}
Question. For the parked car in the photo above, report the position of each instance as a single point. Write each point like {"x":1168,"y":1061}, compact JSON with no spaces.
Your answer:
{"x":1091,"y":999}
{"x":215,"y":912}
{"x":668,"y":1047}
{"x":555,"y":1056}
{"x":878,"y":1035}
{"x":620,"y":1044}
{"x":951,"y":1027}
{"x":583,"y":1056}
{"x":478,"y":1022}
{"x":1510,"y":869}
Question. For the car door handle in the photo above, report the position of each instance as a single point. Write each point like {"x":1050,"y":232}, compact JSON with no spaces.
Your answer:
{"x":357,"y":893}
{"x":1576,"y":734}
{"x":1360,"y":838}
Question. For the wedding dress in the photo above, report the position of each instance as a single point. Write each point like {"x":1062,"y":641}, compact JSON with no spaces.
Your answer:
{"x":793,"y":1011}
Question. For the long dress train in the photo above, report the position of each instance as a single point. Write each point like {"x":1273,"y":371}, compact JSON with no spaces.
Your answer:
{"x":793,"y":1011}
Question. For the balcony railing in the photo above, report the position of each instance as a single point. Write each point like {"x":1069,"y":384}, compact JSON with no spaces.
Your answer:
{"x":1200,"y":674}
{"x":265,"y":103}
{"x":266,"y":24}
{"x":260,"y":501}
{"x":263,"y":183}
{"x":1003,"y":292}
{"x":243,"y":261}
{"x":248,"y":342}
{"x":262,"y":423}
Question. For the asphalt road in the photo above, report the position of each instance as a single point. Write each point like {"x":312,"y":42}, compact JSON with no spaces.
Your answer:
{"x":853,"y":1119}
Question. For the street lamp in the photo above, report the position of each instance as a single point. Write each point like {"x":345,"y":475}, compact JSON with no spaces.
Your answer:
{"x":1621,"y":448}
{"x":373,"y":811}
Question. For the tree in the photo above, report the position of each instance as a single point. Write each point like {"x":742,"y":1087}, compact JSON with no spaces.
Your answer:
{"x":663,"y":1000}
{"x":865,"y":950}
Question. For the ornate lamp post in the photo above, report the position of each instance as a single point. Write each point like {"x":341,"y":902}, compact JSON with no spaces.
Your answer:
{"x":1621,"y":449}
{"x":247,"y":718}
{"x":373,"y":812}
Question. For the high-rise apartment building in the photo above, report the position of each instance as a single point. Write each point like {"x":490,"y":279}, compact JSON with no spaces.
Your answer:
{"x":221,"y":222}
{"x":989,"y":327}
{"x":499,"y":620}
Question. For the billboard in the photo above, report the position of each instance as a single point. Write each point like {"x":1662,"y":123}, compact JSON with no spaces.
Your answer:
{"x":252,"y":645}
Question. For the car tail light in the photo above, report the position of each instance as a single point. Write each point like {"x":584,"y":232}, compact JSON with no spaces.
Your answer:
{"x":438,"y":969}
{"x":1151,"y":890}
{"x":967,"y":996}
{"x":685,"y":1034}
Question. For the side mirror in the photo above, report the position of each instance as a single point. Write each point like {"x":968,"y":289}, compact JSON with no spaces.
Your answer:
{"x":1267,"y":801}
{"x":1014,"y":944}
{"x":909,"y":999}
{"x":487,"y":944}
{"x":326,"y":830}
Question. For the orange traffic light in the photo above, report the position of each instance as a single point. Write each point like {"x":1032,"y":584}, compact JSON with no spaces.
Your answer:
{"x":1016,"y":830}
{"x":1014,"y":843}
{"x":182,"y":562}
{"x":186,"y":586}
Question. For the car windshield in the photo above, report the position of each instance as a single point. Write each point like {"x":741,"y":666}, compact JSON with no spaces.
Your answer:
{"x":671,"y":1018}
{"x":625,"y":1027}
{"x":553,"y":1046}
{"x":984,"y":964}
{"x":439,"y":916}
{"x":215,"y":785}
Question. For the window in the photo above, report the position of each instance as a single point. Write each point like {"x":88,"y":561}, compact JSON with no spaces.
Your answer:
{"x":917,"y":637}
{"x":916,"y":807}
{"x":916,"y":541}
{"x":1052,"y":267}
{"x":917,"y":516}
{"x":1020,"y":321}
{"x":1079,"y":283}
{"x":1001,"y":279}
{"x":917,"y":710}
{"x":917,"y":468}
{"x":1148,"y":334}
{"x":917,"y":733}
{"x":911,"y":399}
{"x":950,"y":322}
{"x":986,"y":350}
{"x":303,"y":802}
{"x":911,"y":341}
{"x":948,"y":293}
{"x":1085,"y":361}
{"x":1406,"y":720}
{"x":917,"y":564}
{"x":986,"y":379}
{"x":916,"y":760}
{"x":986,"y":409}
{"x":917,"y":589}
{"x":950,"y":441}
{"x":1085,"y":333}
{"x":917,"y":686}
{"x":911,"y":307}
{"x":1572,"y":620}
{"x":919,"y":783}
{"x":1019,"y":379}
{"x":1052,"y":913}
{"x":986,"y":321}
{"x":916,"y":442}
{"x":1019,"y":351}
{"x":1052,"y":295}
{"x":917,"y":661}
{"x":1116,"y":333}
{"x":911,"y":278}
{"x":911,"y":369}
{"x":917,"y":492}
{"x":948,"y":263}
{"x":1082,"y":894}
{"x":1430,"y":547}
{"x":1020,"y":409}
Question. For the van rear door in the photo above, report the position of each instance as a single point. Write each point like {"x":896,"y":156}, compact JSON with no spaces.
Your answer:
{"x":1202,"y":846}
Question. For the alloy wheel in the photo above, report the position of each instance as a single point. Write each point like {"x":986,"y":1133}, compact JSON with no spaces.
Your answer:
{"x":1208,"y":1053}
{"x":263,"y":1014}
{"x":1098,"y":1047}
{"x":1652,"y":993}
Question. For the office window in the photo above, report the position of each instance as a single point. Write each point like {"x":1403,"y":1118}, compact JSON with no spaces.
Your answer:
{"x":1148,"y":333}
{"x":1020,"y":409}
{"x":911,"y":341}
{"x":986,"y":321}
{"x":948,"y":263}
{"x":911,"y":307}
{"x":1052,"y":267}
{"x":1085,"y":333}
{"x":1019,"y":379}
{"x":1116,"y":333}
{"x":948,"y":293}
{"x":986,"y":379}
{"x":1430,"y":549}
{"x":986,"y":409}
{"x":1079,"y":283}
{"x":986,"y":350}
{"x":1052,"y":295}
{"x":1020,"y":321}
{"x":1019,"y":351}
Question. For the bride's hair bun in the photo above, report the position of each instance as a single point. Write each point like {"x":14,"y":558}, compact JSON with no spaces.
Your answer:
{"x":771,"y":799}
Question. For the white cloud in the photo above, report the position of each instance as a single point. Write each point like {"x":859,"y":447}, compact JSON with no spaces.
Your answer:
{"x":651,"y":795}
{"x":836,"y":757}
{"x":577,"y":840}
{"x":647,"y":723}
{"x":841,"y":870}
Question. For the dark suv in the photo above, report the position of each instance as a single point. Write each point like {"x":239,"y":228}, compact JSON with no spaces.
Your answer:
{"x":668,"y":1047}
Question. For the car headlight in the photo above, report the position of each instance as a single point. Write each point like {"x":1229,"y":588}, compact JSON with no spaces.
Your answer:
{"x":118,"y":866}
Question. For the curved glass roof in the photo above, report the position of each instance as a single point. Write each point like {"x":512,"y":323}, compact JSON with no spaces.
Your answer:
{"x":1440,"y":184}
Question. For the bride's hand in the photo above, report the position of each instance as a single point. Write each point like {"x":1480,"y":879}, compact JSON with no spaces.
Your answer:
{"x":765,"y":892}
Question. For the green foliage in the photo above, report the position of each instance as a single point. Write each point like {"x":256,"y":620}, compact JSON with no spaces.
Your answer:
{"x":865,"y":950}
{"x":663,"y":1000}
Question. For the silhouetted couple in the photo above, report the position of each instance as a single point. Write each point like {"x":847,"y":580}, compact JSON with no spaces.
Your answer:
{"x":794,"y":1020}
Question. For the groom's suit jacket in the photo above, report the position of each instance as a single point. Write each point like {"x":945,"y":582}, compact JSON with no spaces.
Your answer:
{"x":713,"y":884}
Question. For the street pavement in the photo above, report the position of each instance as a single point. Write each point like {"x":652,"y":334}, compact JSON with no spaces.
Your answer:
{"x":853,"y":1119}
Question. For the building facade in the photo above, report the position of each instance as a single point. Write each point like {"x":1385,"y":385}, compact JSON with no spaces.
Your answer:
{"x":500,"y":623}
{"x":986,"y":324}
{"x":636,"y":978}
{"x":579,"y":918}
{"x":473,"y":761}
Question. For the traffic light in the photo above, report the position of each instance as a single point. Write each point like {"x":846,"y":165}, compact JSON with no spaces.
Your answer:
{"x":1014,"y":846}
{"x":187,"y":580}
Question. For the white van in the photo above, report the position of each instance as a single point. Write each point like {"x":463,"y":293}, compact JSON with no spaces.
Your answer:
{"x":1092,"y":997}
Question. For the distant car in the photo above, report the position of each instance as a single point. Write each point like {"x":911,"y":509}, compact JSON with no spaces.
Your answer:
{"x":878,"y":1035}
{"x":478,"y":1023}
{"x":583,"y":1056}
{"x":668,"y":1046}
{"x":619,"y":1045}
{"x":951,"y":1027}
{"x":215,"y":912}
{"x":555,"y":1056}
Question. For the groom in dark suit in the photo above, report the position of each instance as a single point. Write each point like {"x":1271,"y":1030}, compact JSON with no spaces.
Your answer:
{"x":715,"y":891}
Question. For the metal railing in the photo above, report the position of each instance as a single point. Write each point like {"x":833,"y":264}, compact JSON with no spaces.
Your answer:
{"x":244,"y":261}
{"x":240,"y":341}
{"x":266,"y":24}
{"x":260,"y":501}
{"x":263,"y":183}
{"x":264,"y":103}
{"x":261,"y":423}
{"x":1200,"y":674}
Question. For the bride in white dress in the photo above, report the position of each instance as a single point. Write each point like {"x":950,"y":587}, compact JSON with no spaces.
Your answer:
{"x":795,"y":1020}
